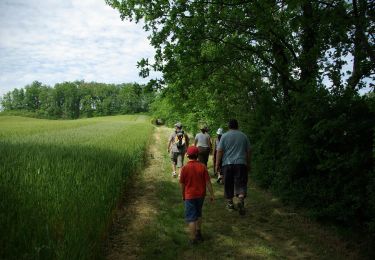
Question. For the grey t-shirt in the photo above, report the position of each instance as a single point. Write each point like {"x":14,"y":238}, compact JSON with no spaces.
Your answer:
{"x":235,"y":145}
{"x":203,"y":140}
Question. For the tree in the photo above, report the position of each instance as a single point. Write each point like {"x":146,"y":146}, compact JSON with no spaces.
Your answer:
{"x":266,"y":63}
{"x":32,"y":99}
{"x":7,"y":102}
{"x":18,"y":96}
{"x":130,"y":98}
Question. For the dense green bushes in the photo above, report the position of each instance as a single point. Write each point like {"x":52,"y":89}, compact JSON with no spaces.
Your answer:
{"x":291,"y":73}
{"x":324,"y":158}
{"x":319,"y":156}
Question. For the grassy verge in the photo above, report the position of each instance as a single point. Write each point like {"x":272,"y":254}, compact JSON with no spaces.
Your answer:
{"x":61,"y":179}
{"x":268,"y":231}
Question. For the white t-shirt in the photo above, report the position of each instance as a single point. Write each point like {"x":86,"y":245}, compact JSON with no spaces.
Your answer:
{"x":203,"y":140}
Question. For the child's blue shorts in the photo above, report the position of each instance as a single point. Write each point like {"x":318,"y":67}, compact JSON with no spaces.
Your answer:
{"x":193,"y":209}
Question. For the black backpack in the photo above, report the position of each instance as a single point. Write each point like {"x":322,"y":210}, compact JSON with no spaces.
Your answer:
{"x":180,"y":140}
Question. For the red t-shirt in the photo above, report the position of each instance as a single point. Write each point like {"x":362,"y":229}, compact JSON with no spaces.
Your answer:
{"x":194,"y":176}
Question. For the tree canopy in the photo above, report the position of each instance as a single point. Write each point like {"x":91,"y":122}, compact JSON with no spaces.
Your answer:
{"x":290,"y":71}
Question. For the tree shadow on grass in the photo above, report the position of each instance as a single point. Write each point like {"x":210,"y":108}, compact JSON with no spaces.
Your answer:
{"x":267,"y":231}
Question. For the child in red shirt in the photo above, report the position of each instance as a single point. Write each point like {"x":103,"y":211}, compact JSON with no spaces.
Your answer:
{"x":194,"y":179}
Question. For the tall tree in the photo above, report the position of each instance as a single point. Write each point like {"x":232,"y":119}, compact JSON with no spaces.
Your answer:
{"x":268,"y":63}
{"x":32,"y":99}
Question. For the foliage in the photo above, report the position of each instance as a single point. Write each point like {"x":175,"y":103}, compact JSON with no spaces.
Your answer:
{"x":281,"y":69}
{"x":60,"y":181}
{"x":71,"y":100}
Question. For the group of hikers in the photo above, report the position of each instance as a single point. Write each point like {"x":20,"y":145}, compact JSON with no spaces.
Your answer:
{"x":231,"y":160}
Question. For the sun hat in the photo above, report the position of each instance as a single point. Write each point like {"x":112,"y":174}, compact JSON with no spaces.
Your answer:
{"x":178,"y":125}
{"x":192,"y":150}
{"x":220,"y":131}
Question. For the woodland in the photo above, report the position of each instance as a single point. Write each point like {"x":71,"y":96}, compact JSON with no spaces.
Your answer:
{"x":297,"y":74}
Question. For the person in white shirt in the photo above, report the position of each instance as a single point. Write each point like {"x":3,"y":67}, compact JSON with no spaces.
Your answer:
{"x":203,"y":142}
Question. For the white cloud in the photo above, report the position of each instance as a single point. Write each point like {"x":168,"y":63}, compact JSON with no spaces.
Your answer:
{"x":54,"y":41}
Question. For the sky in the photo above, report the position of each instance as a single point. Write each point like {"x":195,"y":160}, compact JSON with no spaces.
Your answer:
{"x":53,"y":41}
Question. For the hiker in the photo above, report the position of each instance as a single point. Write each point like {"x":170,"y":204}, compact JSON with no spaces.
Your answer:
{"x":194,"y":180}
{"x":217,"y":173}
{"x":235,"y":154}
{"x":178,"y":142}
{"x":203,"y":142}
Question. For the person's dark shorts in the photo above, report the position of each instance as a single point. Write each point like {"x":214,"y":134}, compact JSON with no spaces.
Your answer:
{"x":193,"y":209}
{"x":177,"y":159}
{"x":235,"y":180}
{"x":204,"y":153}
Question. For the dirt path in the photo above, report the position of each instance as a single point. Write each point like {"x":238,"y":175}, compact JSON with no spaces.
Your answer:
{"x":150,"y":224}
{"x":138,"y":211}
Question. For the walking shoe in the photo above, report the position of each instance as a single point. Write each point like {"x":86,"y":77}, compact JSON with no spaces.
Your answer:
{"x":241,"y":208}
{"x":198,"y":236}
{"x":174,"y":174}
{"x":230,"y":207}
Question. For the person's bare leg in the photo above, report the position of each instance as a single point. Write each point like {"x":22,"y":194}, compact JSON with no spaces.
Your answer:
{"x":198,"y":234}
{"x":192,"y":230}
{"x":174,"y":169}
{"x":241,"y":204}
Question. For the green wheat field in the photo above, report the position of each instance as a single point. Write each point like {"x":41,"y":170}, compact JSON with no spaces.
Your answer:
{"x":60,"y":181}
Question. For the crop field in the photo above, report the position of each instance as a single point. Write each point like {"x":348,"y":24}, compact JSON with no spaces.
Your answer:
{"x":60,"y":181}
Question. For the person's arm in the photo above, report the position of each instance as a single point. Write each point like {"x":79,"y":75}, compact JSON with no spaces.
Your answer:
{"x":195,"y":141}
{"x":169,"y":145}
{"x":182,"y":190}
{"x":187,"y":140}
{"x":219,"y":156}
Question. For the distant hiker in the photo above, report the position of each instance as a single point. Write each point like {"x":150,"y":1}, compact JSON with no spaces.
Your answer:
{"x":178,"y":142}
{"x":217,"y":173}
{"x":194,"y":180}
{"x":203,"y":142}
{"x":235,"y":154}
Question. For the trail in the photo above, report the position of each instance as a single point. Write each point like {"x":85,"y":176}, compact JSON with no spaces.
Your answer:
{"x":150,"y":223}
{"x":139,"y":211}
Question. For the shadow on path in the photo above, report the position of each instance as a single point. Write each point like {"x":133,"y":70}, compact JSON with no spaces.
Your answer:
{"x":150,"y":225}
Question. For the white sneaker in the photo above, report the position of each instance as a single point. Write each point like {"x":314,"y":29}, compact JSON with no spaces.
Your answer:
{"x":174,"y":174}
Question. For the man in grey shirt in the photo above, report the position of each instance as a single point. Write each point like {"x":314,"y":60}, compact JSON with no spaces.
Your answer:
{"x":235,"y":156}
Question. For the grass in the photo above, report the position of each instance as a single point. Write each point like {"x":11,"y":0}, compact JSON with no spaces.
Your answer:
{"x":60,"y":181}
{"x":269,"y":230}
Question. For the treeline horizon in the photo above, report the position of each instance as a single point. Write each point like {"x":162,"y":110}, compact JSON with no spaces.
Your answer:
{"x":78,"y":99}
